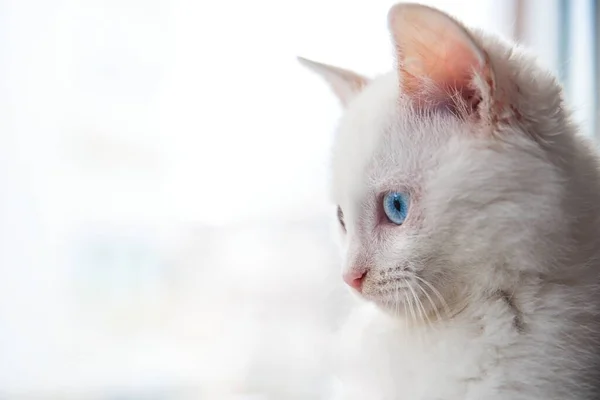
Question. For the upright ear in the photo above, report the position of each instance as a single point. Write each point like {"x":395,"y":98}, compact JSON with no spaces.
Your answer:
{"x":345,"y":84}
{"x":439,"y":63}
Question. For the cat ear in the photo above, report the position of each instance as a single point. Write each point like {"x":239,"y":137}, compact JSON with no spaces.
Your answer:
{"x":345,"y":84}
{"x":439,"y":64}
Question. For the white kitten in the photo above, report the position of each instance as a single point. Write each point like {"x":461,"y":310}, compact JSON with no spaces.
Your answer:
{"x":470,"y":216}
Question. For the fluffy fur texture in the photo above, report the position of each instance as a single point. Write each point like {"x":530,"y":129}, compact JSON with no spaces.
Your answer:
{"x":490,"y":289}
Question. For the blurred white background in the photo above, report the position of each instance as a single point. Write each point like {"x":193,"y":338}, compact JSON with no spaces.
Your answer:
{"x":164,"y":224}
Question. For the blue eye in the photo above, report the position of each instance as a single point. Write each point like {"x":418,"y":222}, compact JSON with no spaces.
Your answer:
{"x":395,"y":206}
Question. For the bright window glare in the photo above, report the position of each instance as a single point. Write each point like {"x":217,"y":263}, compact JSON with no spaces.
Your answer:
{"x":165,"y":209}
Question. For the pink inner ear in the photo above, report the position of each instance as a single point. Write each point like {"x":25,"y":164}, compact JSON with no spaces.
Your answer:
{"x":437,"y":58}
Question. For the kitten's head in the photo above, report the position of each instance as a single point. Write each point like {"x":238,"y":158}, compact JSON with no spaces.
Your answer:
{"x":443,"y":175}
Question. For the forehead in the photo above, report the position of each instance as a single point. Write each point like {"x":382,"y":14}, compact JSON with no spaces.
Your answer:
{"x":382,"y":142}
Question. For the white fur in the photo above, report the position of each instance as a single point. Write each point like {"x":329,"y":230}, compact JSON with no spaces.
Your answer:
{"x":504,"y":223}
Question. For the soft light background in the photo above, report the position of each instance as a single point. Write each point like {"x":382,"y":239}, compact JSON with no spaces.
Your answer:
{"x":164,"y":225}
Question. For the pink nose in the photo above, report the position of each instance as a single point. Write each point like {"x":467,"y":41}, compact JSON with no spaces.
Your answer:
{"x":354,"y":279}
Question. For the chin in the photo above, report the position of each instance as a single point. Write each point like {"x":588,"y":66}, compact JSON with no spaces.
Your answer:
{"x":408,"y":302}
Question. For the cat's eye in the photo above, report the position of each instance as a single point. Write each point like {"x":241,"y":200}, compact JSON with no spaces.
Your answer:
{"x":395,"y":206}
{"x":340,"y":215}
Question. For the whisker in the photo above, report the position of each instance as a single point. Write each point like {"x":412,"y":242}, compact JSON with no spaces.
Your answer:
{"x":411,"y":308}
{"x":433,"y":305}
{"x":406,"y":300}
{"x":437,"y":294}
{"x":419,"y":306}
{"x":417,"y":302}
{"x":405,"y":315}
{"x":426,"y":319}
{"x":397,"y":302}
